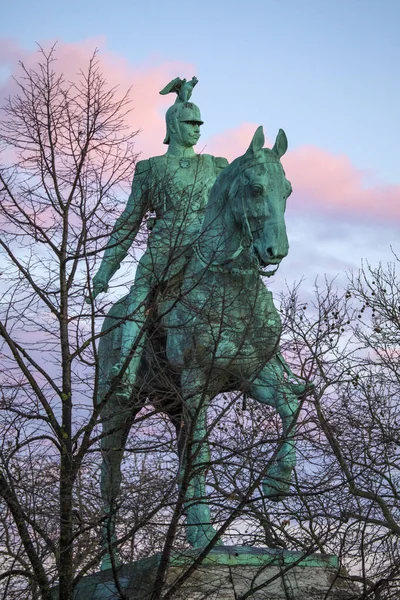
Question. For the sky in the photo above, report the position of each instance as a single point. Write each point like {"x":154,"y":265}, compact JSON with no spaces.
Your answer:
{"x":325,"y":71}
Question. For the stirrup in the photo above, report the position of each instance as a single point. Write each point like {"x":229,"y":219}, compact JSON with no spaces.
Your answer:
{"x":124,"y":387}
{"x":115,"y":370}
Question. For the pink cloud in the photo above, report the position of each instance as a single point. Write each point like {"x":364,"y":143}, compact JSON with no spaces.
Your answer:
{"x":329,"y":182}
{"x":322,"y":181}
{"x":231,"y":143}
{"x":145,"y":79}
{"x":10,"y":52}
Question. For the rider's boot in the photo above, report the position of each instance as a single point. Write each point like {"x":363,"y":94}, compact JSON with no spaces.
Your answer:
{"x":199,"y":531}
{"x":130,"y":333}
{"x":133,"y":338}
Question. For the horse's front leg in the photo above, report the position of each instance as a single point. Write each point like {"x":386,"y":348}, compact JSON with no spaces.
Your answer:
{"x":272,"y":388}
{"x":195,"y":460}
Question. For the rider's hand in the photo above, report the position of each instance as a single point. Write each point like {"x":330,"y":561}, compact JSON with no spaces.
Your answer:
{"x":99,"y":285}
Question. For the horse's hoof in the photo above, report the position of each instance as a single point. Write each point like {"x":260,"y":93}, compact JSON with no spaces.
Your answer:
{"x":202,"y":536}
{"x":300,"y":389}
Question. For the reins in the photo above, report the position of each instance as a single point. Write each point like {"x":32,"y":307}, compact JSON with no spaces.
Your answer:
{"x":248,"y":238}
{"x":221,"y":267}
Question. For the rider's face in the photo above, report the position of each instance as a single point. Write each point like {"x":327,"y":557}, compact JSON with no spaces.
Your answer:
{"x":189,"y":133}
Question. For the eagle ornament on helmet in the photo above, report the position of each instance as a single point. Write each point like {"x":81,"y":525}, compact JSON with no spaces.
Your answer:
{"x":182,"y":111}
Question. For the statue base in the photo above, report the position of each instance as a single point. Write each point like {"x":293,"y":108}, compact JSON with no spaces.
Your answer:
{"x":226,"y":573}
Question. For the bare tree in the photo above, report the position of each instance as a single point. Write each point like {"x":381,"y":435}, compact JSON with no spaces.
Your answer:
{"x":66,"y":151}
{"x":347,"y":489}
{"x":67,"y":157}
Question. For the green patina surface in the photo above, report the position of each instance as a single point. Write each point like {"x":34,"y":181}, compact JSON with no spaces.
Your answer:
{"x":215,"y":229}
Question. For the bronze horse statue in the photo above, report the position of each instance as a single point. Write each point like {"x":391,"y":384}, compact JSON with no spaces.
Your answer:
{"x":215,"y":330}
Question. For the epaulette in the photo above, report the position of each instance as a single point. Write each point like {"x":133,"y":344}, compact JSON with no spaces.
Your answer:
{"x":142,"y":166}
{"x":221,"y":162}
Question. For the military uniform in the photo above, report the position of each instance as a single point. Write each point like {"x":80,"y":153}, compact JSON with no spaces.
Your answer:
{"x":176,"y":189}
{"x":179,"y":206}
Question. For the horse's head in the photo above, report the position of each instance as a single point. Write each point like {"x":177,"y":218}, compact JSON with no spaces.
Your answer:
{"x":258,"y":199}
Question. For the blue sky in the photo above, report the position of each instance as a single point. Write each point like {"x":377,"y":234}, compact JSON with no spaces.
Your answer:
{"x":326,"y":71}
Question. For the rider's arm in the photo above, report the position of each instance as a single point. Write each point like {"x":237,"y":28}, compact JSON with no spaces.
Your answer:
{"x":125,"y":229}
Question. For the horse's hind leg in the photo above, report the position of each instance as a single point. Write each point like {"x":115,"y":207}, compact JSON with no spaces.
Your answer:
{"x":272,"y":388}
{"x":116,"y":421}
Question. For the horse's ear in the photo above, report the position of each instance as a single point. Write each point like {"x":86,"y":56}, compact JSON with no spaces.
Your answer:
{"x":257,"y":142}
{"x":281,"y":144}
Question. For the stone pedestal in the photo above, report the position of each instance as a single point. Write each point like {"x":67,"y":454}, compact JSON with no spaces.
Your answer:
{"x":227,"y":573}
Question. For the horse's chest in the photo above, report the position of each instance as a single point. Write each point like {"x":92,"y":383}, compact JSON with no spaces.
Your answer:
{"x":257,"y":320}
{"x":229,"y":324}
{"x":242,"y":325}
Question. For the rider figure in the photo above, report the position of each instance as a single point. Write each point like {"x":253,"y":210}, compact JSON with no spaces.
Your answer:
{"x":176,"y":187}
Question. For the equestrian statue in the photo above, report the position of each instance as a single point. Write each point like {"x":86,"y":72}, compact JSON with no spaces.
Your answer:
{"x":198,"y":320}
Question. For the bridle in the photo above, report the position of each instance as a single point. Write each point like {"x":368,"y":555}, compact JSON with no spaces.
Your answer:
{"x":247,"y":237}
{"x":224,"y":266}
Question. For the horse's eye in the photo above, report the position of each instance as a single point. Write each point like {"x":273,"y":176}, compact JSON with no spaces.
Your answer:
{"x":257,"y":190}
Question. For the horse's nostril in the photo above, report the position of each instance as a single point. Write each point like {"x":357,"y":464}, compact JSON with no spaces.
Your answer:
{"x":270,"y":252}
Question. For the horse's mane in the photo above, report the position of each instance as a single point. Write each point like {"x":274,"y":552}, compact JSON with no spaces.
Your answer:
{"x":220,"y":191}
